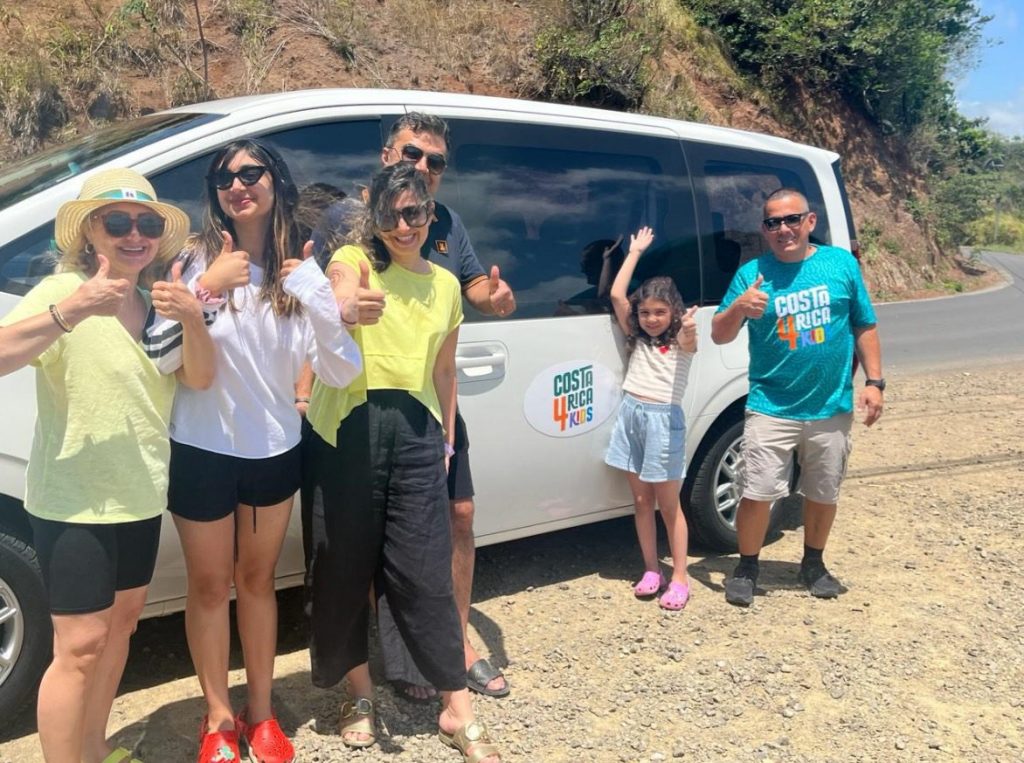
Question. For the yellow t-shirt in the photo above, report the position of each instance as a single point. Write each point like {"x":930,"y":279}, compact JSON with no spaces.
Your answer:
{"x":100,"y":450}
{"x":399,"y":350}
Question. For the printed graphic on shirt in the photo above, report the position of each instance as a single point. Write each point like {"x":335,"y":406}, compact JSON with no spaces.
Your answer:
{"x":571,"y":398}
{"x":803,"y":317}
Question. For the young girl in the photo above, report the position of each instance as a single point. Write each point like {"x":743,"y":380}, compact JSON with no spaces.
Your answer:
{"x":649,"y":438}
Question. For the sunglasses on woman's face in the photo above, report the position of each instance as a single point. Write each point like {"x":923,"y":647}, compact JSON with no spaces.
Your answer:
{"x":119,"y":224}
{"x":414,"y":216}
{"x":436,"y":163}
{"x":250,"y":174}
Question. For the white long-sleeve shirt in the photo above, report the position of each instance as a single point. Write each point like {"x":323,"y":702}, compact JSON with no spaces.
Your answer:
{"x":249,"y":411}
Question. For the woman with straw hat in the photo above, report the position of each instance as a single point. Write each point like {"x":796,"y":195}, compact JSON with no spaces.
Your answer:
{"x":97,"y":473}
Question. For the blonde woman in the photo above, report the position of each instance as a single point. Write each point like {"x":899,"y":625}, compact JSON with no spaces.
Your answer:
{"x":97,"y":473}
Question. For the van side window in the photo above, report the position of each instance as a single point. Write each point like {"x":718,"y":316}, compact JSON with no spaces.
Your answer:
{"x":334,"y":157}
{"x":26,"y":260}
{"x":731,"y":186}
{"x":553,"y":207}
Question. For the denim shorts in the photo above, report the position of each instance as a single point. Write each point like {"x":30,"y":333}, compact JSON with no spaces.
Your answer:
{"x":649,"y":439}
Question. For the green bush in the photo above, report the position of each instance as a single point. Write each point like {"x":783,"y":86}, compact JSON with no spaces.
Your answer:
{"x":596,"y":55}
{"x":890,"y":57}
{"x":31,"y":105}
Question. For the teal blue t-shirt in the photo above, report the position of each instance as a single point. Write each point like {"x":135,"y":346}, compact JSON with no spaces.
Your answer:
{"x":801,"y":349}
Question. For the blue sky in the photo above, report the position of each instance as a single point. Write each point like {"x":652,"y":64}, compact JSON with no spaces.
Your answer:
{"x":994,"y":88}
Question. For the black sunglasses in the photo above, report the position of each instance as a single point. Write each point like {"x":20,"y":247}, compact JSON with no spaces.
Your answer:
{"x":436,"y":163}
{"x":415,"y":216}
{"x":118,"y":224}
{"x":250,"y":174}
{"x":790,"y":221}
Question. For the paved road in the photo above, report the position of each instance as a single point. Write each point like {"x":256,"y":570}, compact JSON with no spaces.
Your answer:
{"x":966,"y":331}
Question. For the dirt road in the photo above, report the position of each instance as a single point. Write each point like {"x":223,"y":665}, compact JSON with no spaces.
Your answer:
{"x":921,"y":659}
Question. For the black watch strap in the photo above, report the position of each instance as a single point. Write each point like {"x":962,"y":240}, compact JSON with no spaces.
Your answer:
{"x":880,"y":383}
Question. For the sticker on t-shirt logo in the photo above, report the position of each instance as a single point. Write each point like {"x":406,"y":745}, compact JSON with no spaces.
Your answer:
{"x":441,"y":246}
{"x":803,"y":316}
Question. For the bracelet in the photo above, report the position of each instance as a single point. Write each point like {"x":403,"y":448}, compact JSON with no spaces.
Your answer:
{"x":302,"y":400}
{"x":449,"y":450}
{"x":59,"y":319}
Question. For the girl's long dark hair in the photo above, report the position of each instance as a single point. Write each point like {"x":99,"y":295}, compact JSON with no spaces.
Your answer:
{"x":385,"y":188}
{"x":283,"y":239}
{"x":664,"y":289}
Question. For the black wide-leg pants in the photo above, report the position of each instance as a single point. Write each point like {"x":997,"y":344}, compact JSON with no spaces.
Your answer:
{"x":382,"y":518}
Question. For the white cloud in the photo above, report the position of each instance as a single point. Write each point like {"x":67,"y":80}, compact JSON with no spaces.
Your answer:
{"x":1004,"y":116}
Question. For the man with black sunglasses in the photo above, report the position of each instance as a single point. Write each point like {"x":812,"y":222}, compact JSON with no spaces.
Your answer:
{"x":807,"y":311}
{"x":422,"y":140}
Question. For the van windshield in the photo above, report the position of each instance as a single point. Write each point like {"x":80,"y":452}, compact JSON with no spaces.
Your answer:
{"x":44,"y":169}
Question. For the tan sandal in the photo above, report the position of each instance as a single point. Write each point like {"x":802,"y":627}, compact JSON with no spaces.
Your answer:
{"x":473,"y":734}
{"x":357,"y":718}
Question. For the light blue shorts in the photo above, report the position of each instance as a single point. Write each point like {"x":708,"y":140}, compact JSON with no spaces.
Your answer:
{"x":649,"y":439}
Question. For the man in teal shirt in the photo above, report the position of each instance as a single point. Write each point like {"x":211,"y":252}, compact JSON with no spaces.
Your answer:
{"x":806,"y":311}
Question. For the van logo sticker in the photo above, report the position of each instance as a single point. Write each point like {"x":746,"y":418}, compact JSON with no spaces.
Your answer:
{"x":571,"y":398}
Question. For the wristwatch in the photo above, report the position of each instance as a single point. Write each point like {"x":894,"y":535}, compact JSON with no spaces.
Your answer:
{"x":880,"y":383}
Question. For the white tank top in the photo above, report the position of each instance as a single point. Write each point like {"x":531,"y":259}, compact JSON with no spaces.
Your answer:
{"x":658,"y":373}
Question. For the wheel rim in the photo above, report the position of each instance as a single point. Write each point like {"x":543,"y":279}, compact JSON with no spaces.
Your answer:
{"x":727,"y":488}
{"x":12,"y":630}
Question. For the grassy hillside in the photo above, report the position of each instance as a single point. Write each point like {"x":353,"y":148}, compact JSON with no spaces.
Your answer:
{"x":66,"y":66}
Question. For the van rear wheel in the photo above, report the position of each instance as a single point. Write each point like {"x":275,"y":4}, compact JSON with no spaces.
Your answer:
{"x":26,"y":634}
{"x":711,"y":492}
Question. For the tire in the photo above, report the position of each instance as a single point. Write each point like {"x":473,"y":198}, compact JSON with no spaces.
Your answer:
{"x":26,"y":633}
{"x":711,"y":494}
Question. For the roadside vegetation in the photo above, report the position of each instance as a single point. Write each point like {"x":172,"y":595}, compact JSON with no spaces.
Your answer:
{"x":863,"y":77}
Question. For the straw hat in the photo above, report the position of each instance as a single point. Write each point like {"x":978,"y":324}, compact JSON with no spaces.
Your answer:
{"x":110,"y":187}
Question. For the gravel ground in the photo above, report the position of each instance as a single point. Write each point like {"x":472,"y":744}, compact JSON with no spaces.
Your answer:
{"x":921,"y":659}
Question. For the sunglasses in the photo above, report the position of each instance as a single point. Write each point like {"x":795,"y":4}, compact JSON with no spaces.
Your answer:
{"x":118,"y":224}
{"x":250,"y":174}
{"x":436,"y":163}
{"x":790,"y":221}
{"x":415,"y":217}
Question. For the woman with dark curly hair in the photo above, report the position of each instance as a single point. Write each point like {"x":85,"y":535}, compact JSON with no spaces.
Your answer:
{"x":649,"y":437}
{"x":380,"y":453}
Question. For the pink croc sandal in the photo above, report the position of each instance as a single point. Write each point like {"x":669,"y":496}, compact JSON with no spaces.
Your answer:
{"x":675,"y":596}
{"x":649,"y":584}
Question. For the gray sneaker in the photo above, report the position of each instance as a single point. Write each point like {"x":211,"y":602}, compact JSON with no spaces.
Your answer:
{"x":740,"y":590}
{"x":819,"y":581}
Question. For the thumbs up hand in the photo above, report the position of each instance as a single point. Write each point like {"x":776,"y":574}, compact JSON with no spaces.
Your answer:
{"x":754,"y":300}
{"x":229,"y":270}
{"x":102,"y":295}
{"x":290,"y":264}
{"x":687,"y":337}
{"x":369,"y":303}
{"x":502,"y":301}
{"x":174,"y":300}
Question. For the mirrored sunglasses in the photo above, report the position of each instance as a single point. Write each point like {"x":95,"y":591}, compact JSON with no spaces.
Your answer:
{"x":790,"y":221}
{"x":436,"y":163}
{"x":250,"y":174}
{"x":118,"y":224}
{"x":414,"y":216}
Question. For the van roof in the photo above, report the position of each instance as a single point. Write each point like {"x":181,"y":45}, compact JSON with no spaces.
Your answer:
{"x":246,"y":108}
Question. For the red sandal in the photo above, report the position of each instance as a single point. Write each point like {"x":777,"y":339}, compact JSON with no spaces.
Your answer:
{"x":266,"y":741}
{"x":219,"y":746}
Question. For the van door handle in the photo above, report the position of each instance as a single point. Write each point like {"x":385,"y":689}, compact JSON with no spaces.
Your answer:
{"x":480,"y":365}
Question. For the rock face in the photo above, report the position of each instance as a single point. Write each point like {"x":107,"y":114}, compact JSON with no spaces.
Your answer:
{"x":461,"y":45}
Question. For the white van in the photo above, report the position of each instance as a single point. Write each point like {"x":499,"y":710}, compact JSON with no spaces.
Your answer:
{"x":541,"y":188}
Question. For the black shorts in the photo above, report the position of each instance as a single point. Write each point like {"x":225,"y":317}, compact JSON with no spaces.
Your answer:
{"x":206,"y":486}
{"x":83,"y":565}
{"x":460,"y":477}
